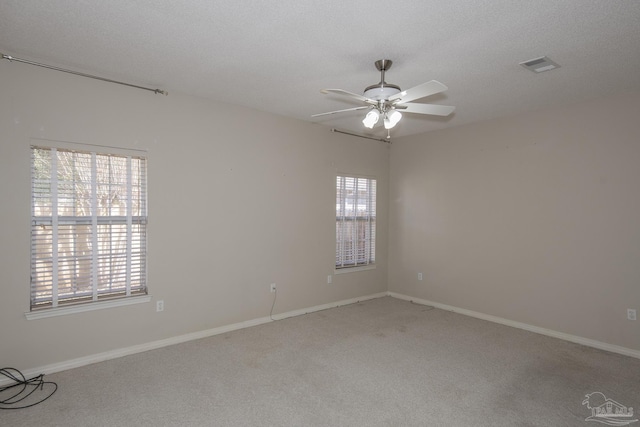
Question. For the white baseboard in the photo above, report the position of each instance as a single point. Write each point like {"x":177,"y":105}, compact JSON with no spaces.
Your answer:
{"x":113,"y":354}
{"x":327,"y":306}
{"x":549,"y":332}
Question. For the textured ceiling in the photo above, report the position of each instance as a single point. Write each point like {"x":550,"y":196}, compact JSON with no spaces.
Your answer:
{"x":277,"y":55}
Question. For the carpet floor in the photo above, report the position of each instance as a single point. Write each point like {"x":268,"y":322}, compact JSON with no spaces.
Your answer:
{"x":383,"y":362}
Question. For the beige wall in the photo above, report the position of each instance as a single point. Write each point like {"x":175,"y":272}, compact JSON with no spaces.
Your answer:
{"x":238,"y":199}
{"x":534,"y":218}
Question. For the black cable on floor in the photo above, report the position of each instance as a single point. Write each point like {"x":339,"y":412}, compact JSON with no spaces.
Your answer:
{"x":22,"y":388}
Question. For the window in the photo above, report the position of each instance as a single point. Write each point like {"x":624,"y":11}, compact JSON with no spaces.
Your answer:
{"x":88,"y":227}
{"x":355,"y":221}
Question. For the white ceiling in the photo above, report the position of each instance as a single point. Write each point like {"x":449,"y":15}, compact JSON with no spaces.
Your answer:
{"x":277,"y":55}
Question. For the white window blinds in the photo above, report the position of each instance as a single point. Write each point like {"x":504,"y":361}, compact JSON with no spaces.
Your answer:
{"x":88,"y":226}
{"x":355,"y":221}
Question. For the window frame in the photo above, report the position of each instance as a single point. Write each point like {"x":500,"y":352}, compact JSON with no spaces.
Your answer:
{"x":368,"y":262}
{"x":133,"y":253}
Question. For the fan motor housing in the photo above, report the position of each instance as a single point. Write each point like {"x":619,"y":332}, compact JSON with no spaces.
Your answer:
{"x":383,"y":90}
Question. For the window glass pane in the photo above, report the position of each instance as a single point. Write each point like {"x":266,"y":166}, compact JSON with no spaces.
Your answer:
{"x":355,"y":221}
{"x":85,"y":242}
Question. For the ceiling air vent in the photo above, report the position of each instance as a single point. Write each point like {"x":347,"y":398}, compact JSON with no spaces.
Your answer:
{"x":539,"y":65}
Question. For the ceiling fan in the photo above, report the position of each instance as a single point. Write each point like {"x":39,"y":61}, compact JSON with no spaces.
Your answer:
{"x":389,"y":101}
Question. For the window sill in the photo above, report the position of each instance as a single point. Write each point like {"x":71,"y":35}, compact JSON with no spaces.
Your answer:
{"x":354,"y":269}
{"x":63,"y":311}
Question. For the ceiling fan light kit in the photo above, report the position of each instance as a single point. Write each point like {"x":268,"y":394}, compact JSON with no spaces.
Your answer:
{"x":385,"y":99}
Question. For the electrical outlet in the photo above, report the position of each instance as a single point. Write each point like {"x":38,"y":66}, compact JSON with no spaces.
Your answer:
{"x":160,"y":305}
{"x":631,"y":314}
{"x":329,"y":279}
{"x":419,"y":276}
{"x":273,"y":287}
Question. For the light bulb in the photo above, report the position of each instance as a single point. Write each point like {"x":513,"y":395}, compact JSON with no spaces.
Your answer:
{"x":391,"y":119}
{"x":371,"y":118}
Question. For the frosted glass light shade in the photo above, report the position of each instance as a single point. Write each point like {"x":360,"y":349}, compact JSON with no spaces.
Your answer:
{"x":371,"y":119}
{"x":391,"y":119}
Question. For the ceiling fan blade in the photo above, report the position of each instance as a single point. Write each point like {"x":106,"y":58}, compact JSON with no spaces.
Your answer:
{"x":433,"y":109}
{"x":420,"y":91}
{"x":349,"y":94}
{"x":340,"y":111}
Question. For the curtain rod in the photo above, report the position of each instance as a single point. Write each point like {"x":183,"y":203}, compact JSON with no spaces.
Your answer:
{"x":388,"y":141}
{"x":37,"y":64}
